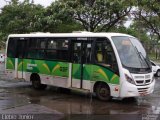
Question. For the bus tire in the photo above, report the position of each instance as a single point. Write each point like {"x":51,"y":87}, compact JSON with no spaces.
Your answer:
{"x":158,"y":73}
{"x":36,"y":82}
{"x":102,"y":91}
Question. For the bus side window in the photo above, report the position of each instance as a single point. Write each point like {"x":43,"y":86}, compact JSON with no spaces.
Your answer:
{"x":104,"y":54}
{"x":57,"y":49}
{"x":99,"y":55}
{"x":41,"y":48}
{"x":77,"y":53}
{"x":11,"y":51}
{"x":36,"y":48}
{"x":21,"y":48}
{"x":31,"y":51}
{"x":88,"y":53}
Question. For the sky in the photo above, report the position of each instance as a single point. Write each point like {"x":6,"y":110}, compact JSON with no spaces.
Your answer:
{"x":42,"y":2}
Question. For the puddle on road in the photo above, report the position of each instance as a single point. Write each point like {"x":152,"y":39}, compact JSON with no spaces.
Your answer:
{"x":10,"y":100}
{"x":70,"y":103}
{"x":74,"y":104}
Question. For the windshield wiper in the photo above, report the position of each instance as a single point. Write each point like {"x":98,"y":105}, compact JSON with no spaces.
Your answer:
{"x":145,"y":59}
{"x":141,"y":56}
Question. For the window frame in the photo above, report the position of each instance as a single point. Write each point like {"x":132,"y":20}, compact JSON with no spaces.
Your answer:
{"x":59,"y":50}
{"x":46,"y":39}
{"x":94,"y":57}
{"x":35,"y":48}
{"x":90,"y":40}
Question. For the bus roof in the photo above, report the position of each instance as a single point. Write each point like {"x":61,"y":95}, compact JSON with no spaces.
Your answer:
{"x":82,"y":34}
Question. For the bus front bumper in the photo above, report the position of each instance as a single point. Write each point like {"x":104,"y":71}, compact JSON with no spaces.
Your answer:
{"x":130,"y":90}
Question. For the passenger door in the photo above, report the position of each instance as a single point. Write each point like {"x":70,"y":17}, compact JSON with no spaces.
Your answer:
{"x":80,"y":56}
{"x":77,"y":65}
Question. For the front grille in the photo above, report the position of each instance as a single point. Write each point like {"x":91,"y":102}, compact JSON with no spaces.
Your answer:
{"x":139,"y":77}
{"x":147,"y":76}
{"x":142,"y":80}
{"x":143,"y":90}
{"x":148,"y":81}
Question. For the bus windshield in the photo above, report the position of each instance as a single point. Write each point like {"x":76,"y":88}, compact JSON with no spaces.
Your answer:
{"x":131,"y":52}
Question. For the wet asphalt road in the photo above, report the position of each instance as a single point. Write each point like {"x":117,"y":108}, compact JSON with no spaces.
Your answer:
{"x":18,"y":97}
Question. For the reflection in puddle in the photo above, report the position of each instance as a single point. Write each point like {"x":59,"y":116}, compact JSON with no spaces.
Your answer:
{"x":73,"y":103}
{"x":84,"y":104}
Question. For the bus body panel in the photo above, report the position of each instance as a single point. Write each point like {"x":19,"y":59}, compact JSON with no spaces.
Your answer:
{"x":67,"y":74}
{"x":133,"y":91}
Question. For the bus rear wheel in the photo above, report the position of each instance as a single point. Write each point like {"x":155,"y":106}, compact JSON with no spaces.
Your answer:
{"x":102,"y":92}
{"x":36,"y":83}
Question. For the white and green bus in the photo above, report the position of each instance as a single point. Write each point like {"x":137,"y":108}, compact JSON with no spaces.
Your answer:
{"x":107,"y":64}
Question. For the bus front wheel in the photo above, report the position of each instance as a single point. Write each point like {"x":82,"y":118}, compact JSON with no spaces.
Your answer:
{"x":102,"y":92}
{"x":36,"y":83}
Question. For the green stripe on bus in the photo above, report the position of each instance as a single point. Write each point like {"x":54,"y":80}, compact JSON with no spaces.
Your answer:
{"x":55,"y":68}
{"x":10,"y":63}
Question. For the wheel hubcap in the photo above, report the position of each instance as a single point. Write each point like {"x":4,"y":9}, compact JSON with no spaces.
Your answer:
{"x":103,"y":92}
{"x":36,"y":83}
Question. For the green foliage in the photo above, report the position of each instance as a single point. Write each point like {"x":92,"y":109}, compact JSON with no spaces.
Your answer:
{"x":20,"y":17}
{"x":57,"y":19}
{"x":148,"y":15}
{"x":96,"y":15}
{"x":25,"y":17}
{"x":75,"y":15}
{"x":134,"y":31}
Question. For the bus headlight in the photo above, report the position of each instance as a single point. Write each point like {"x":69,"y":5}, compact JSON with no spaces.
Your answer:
{"x":129,"y":79}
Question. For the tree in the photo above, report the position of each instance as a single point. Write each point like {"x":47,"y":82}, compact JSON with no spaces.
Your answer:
{"x":148,"y":15}
{"x":57,"y":19}
{"x":95,"y":15}
{"x":133,"y":30}
{"x":20,"y":17}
